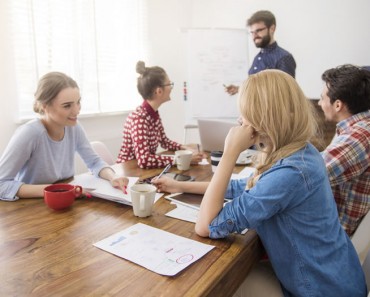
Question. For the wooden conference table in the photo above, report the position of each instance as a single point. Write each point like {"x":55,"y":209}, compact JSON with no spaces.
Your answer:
{"x":51,"y":253}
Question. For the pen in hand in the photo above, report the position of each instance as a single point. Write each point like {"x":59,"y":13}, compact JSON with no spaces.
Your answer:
{"x":164,"y":171}
{"x":124,"y":189}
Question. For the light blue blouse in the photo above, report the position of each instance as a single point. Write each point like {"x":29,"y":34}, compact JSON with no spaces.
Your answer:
{"x":32,"y":157}
{"x":294,"y":213}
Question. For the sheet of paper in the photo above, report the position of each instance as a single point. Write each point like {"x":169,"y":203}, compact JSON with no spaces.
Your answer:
{"x":183,"y":213}
{"x":157,"y":250}
{"x":102,"y":188}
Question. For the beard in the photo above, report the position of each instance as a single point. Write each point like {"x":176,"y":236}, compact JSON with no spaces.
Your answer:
{"x":262,"y":42}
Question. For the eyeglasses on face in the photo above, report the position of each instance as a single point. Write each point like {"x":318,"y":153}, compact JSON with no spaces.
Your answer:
{"x":171,"y":84}
{"x":257,"y":31}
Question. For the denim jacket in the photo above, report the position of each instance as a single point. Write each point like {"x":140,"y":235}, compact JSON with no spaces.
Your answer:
{"x":294,"y":213}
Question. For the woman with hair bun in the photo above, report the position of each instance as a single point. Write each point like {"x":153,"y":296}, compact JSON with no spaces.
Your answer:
{"x":143,"y":131}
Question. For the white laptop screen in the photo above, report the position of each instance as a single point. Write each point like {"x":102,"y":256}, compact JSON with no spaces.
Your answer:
{"x":213,"y":133}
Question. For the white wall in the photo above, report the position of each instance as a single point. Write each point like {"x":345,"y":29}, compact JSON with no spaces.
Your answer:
{"x":320,"y":35}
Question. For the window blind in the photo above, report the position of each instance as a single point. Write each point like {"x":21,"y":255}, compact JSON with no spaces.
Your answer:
{"x":96,"y":42}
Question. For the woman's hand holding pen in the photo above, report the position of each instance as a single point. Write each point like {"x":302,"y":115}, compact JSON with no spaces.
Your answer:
{"x":198,"y":155}
{"x":120,"y":182}
{"x":168,"y":167}
{"x":165,"y":184}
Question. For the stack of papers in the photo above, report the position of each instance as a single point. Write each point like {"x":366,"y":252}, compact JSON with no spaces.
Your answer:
{"x":159,"y":251}
{"x":102,"y":188}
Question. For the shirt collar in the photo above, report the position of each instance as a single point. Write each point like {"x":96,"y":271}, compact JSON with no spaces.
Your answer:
{"x":154,"y":114}
{"x":348,"y":122}
{"x":269,"y":48}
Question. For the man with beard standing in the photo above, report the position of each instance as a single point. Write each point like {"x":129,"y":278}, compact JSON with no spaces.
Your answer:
{"x":262,"y":25}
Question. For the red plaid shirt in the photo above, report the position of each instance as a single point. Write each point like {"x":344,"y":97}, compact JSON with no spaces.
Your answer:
{"x":142,"y":134}
{"x":347,"y":160}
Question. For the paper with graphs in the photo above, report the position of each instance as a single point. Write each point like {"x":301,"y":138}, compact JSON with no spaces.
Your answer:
{"x":157,"y":250}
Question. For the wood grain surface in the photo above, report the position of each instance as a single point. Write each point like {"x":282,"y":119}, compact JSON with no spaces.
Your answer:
{"x":50,"y":253}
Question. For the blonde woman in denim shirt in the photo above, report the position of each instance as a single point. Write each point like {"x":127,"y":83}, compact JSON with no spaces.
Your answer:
{"x":288,"y":201}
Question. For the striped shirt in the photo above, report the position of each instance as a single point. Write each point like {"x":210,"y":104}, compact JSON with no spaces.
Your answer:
{"x":143,"y":133}
{"x":347,"y":160}
{"x":273,"y":57}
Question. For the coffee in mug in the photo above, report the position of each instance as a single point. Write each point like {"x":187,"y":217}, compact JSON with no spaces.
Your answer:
{"x":60,"y":196}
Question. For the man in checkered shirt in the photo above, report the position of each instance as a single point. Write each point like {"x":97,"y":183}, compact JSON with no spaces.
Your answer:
{"x":345,"y":100}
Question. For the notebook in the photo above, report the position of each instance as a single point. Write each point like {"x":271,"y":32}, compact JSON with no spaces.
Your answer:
{"x":213,"y":133}
{"x":102,"y":188}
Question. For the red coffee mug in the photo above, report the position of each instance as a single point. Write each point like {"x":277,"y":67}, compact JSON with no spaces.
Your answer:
{"x":60,"y":196}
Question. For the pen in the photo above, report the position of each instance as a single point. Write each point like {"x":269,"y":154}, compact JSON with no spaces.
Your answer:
{"x":124,"y":189}
{"x":198,"y":148}
{"x":164,"y":171}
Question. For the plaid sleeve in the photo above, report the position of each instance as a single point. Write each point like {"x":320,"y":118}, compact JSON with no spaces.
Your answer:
{"x":346,"y":156}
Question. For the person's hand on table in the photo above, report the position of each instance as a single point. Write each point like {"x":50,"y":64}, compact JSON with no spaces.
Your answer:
{"x":165,"y":184}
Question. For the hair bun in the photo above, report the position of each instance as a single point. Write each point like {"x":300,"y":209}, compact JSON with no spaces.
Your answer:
{"x":140,"y":67}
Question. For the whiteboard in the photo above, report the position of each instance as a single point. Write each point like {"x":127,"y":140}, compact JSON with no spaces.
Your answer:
{"x":214,"y":57}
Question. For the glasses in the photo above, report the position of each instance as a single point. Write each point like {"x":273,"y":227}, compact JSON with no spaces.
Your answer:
{"x":257,"y":31}
{"x":171,"y":84}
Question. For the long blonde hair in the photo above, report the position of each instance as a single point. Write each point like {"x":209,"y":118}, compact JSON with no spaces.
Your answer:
{"x":276,"y":107}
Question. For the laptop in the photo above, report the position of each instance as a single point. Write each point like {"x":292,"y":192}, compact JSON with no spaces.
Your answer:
{"x":213,"y":133}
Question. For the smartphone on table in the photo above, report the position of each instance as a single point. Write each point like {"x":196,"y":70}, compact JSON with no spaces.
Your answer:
{"x":175,"y":176}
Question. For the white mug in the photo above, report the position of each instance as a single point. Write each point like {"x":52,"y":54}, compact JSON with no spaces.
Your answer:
{"x":142,"y":198}
{"x":183,"y":159}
